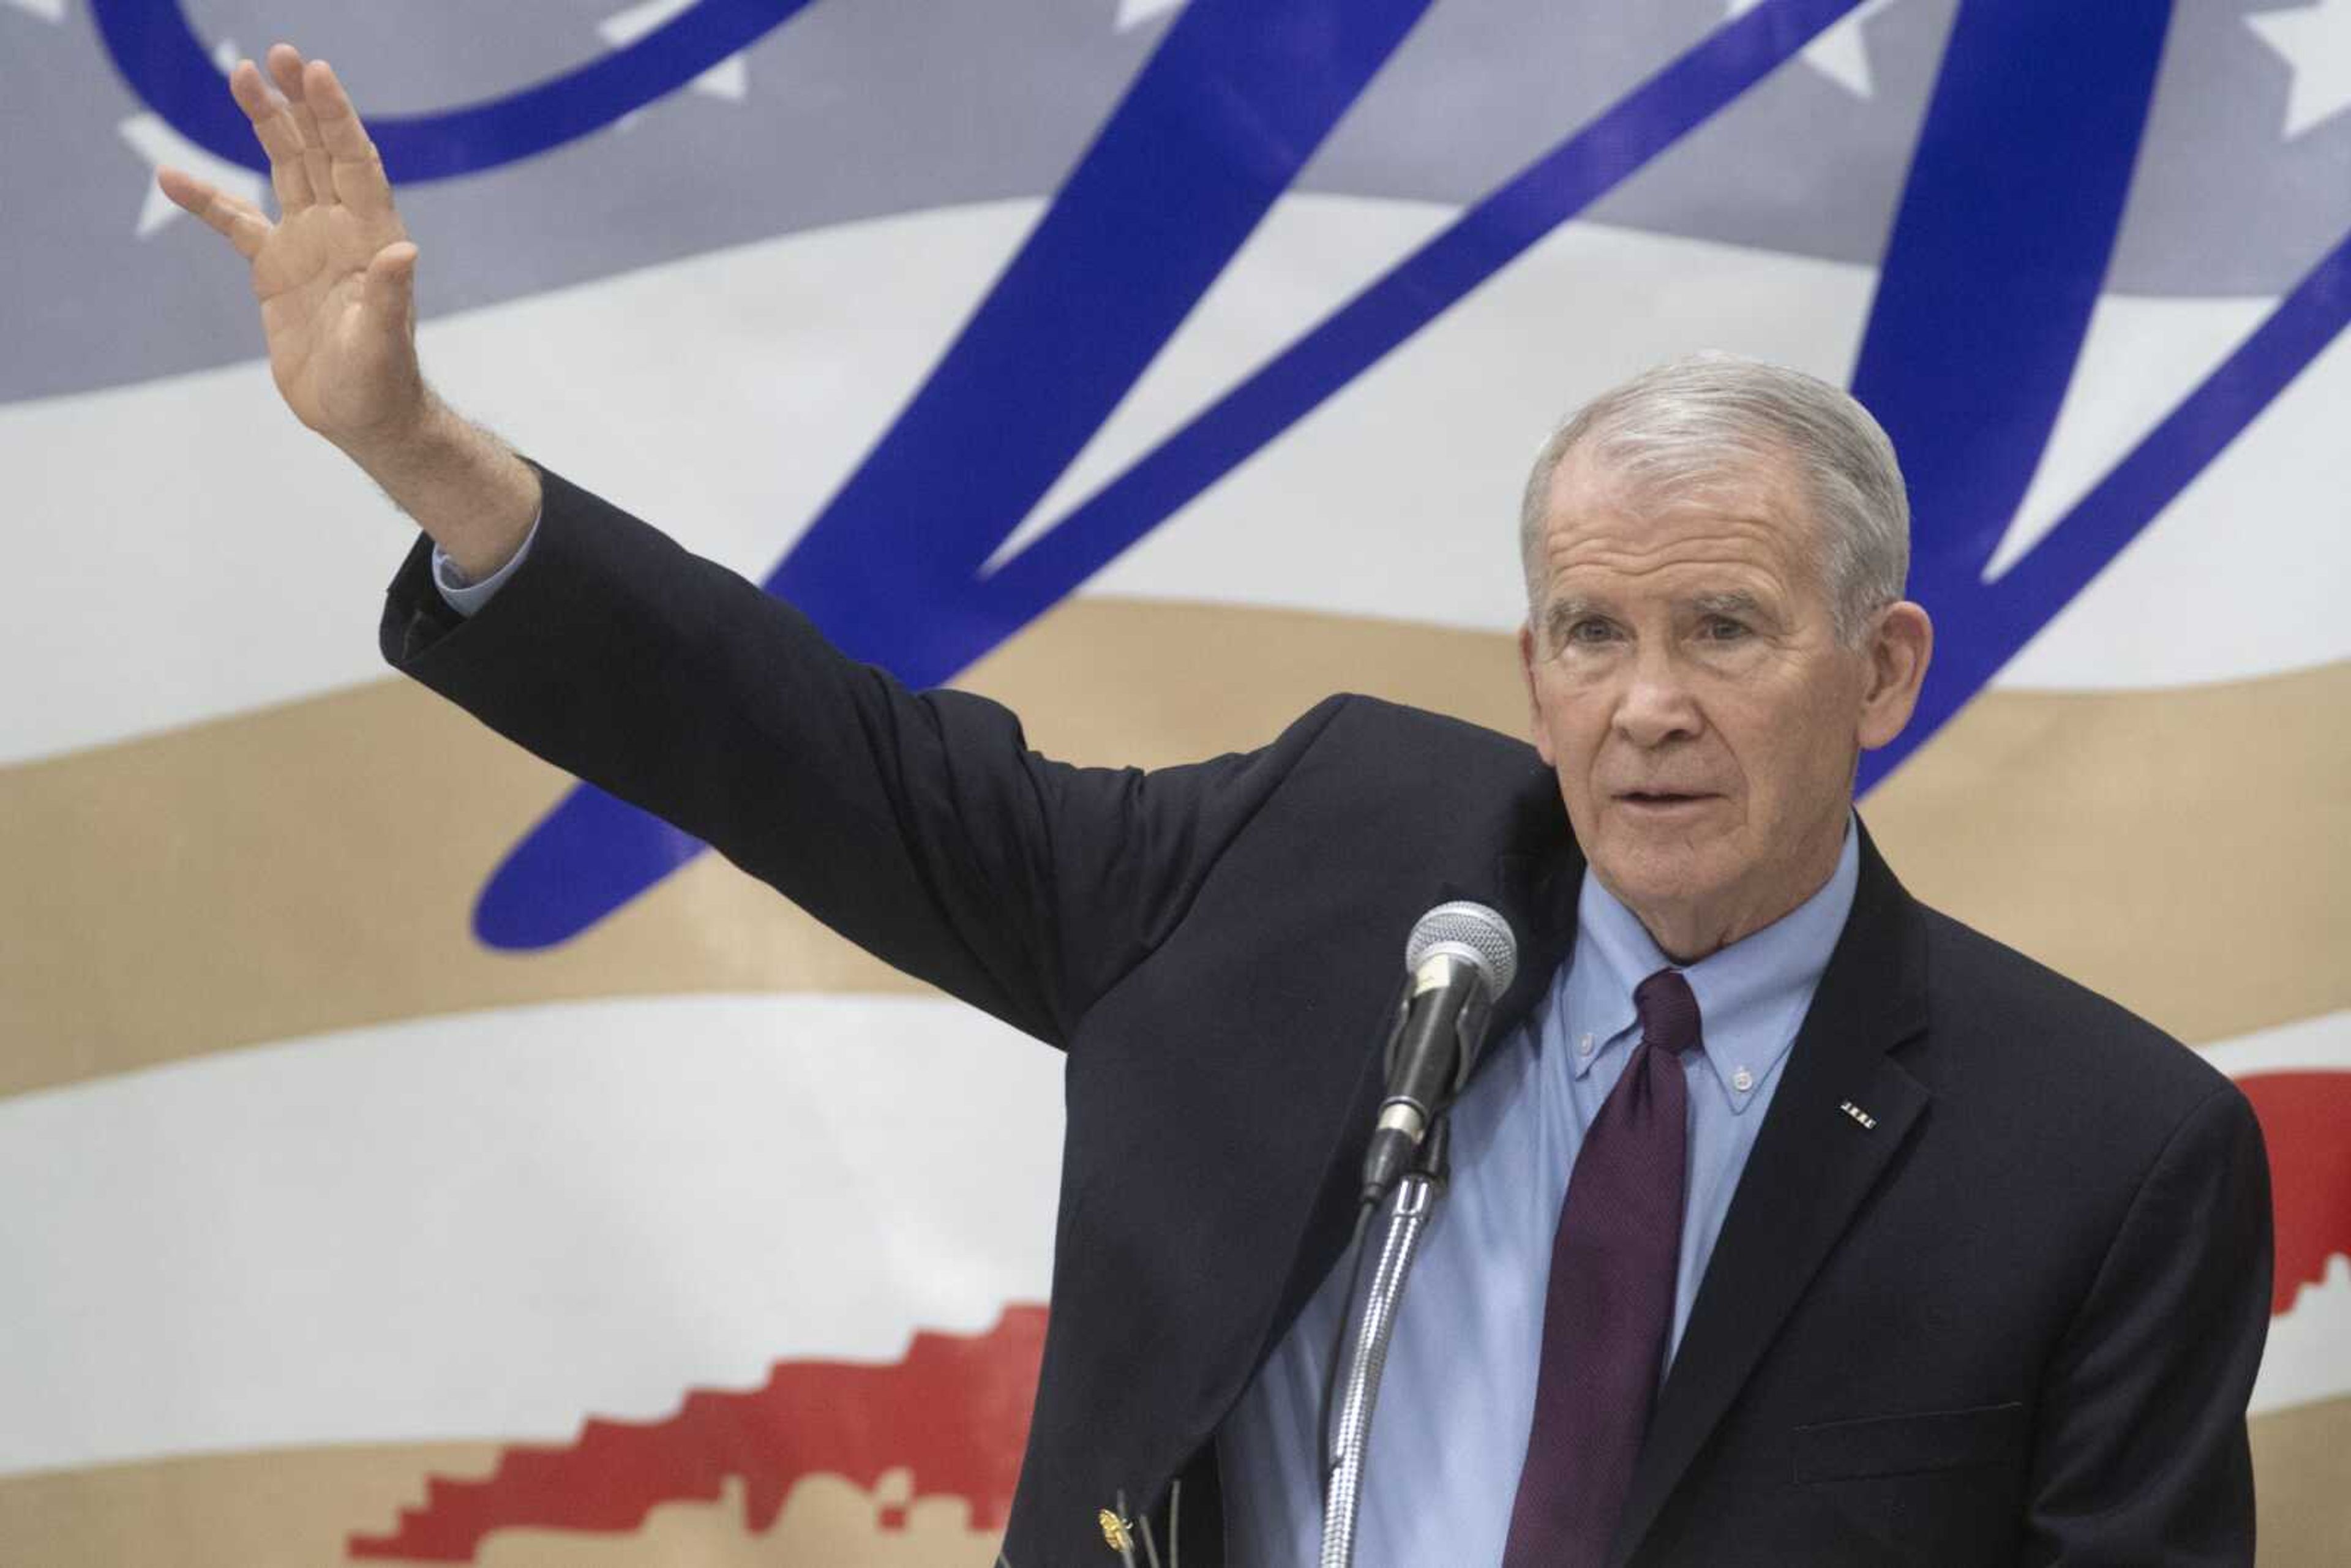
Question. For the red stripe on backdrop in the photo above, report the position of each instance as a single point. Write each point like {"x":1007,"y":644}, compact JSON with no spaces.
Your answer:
{"x":2305,"y":1117}
{"x":955,"y":1412}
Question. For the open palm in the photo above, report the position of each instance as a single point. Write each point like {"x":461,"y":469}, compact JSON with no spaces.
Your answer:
{"x":334,"y":274}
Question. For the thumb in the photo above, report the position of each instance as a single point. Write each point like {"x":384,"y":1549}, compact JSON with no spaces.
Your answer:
{"x":388,"y":294}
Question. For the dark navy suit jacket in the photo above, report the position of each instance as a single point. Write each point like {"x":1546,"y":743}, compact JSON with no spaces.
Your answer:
{"x":1992,"y":1288}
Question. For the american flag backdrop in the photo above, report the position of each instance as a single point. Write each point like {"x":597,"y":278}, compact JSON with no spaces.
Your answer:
{"x":392,"y":1163}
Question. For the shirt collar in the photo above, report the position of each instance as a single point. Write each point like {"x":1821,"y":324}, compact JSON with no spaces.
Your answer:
{"x":1751,"y":996}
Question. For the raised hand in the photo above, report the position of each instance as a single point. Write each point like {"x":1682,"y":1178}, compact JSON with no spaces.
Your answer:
{"x":334,"y":272}
{"x":336,"y":278}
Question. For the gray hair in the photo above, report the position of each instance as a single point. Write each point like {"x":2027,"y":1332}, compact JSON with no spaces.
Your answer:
{"x":1714,"y":416}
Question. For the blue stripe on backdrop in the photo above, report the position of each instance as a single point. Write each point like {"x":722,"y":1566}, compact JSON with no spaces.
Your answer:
{"x":1998,"y":253}
{"x":166,"y":64}
{"x":1997,"y":619}
{"x":1997,"y":259}
{"x":1995,"y":262}
{"x":1229,"y":107}
{"x":902,"y":589}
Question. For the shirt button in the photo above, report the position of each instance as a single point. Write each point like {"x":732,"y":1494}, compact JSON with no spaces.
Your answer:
{"x":1742,"y":1081}
{"x":1584,"y":1045}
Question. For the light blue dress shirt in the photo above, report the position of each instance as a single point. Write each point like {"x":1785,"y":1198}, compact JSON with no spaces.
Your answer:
{"x":463,"y":594}
{"x":1458,"y":1396}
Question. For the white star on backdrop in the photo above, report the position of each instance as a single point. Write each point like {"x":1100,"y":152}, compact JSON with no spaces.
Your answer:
{"x":730,"y":79}
{"x":47,"y":10}
{"x":2316,"y":42}
{"x":157,"y":144}
{"x":1839,"y":52}
{"x":1131,"y":13}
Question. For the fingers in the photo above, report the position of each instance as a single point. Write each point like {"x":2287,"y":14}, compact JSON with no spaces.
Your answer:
{"x":278,"y":136}
{"x":320,"y":151}
{"x":286,"y":71}
{"x":239,"y":221}
{"x":355,"y":167}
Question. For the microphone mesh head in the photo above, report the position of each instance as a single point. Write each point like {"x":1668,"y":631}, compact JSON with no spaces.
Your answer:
{"x":1473,"y":932}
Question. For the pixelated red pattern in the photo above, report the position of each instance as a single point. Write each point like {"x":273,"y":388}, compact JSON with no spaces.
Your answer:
{"x":2306,"y":1121}
{"x":955,"y":1412}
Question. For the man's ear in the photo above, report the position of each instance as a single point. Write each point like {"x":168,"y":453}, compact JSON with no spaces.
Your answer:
{"x":1900,"y":650}
{"x":1535,"y":725}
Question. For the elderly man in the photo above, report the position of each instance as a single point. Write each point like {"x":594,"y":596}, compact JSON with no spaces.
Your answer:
{"x":1791,"y":1222}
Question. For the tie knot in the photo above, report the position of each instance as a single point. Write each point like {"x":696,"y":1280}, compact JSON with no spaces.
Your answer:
{"x":1668,"y":1011}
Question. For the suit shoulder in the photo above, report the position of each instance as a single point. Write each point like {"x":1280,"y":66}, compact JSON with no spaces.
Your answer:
{"x":1410,"y":733}
{"x":2021,"y":1007}
{"x":1362,"y":771}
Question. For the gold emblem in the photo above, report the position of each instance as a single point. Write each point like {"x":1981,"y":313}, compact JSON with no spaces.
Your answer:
{"x":1115,"y":1531}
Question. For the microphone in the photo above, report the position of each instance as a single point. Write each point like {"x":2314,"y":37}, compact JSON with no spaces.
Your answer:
{"x":1458,"y":961}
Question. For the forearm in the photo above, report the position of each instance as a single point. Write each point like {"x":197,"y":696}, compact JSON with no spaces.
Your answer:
{"x":670,"y":683}
{"x":462,"y":484}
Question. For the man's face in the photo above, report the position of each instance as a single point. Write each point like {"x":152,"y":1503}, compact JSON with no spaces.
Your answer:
{"x":1690,"y":690}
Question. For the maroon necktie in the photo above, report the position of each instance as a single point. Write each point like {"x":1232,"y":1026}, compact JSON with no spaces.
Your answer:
{"x":1612,"y":1297}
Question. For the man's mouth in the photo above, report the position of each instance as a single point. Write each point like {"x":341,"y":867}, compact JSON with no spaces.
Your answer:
{"x":1661,"y":800}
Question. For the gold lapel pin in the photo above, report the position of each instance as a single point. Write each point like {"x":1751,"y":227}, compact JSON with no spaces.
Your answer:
{"x":1117,"y":1533}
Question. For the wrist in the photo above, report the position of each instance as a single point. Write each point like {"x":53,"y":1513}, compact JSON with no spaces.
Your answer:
{"x":425,"y":436}
{"x":461,"y":484}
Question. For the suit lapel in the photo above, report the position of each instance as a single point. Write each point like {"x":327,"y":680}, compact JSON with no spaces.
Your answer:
{"x":1533,"y":883}
{"x":1814,"y":1161}
{"x":1536,"y":891}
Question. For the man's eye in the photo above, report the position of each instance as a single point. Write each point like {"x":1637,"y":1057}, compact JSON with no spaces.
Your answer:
{"x":1723,"y":629}
{"x":1589,"y":631}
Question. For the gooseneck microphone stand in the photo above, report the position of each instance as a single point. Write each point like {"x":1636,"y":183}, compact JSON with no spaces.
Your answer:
{"x":1408,"y":1222}
{"x":1458,"y":961}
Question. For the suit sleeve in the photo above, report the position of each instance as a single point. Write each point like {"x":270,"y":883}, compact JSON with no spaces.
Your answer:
{"x":2140,"y":1456}
{"x":919,"y":825}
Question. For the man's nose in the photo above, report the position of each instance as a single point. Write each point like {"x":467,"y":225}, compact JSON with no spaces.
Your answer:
{"x":1657,"y":704}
